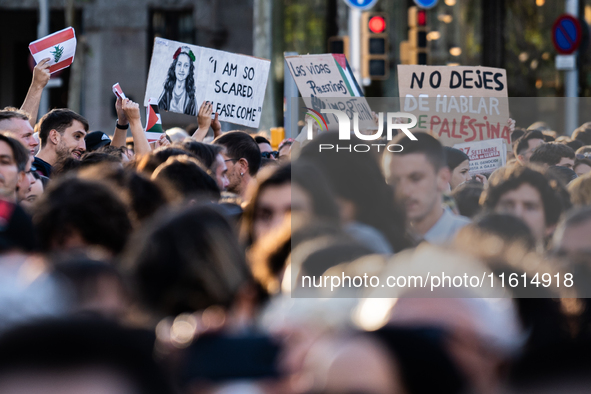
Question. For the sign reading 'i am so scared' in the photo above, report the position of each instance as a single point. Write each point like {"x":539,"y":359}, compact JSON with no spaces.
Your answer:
{"x":457,"y":104}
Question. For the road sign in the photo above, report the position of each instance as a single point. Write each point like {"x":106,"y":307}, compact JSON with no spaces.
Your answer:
{"x":566,"y":34}
{"x":566,"y":62}
{"x":361,"y":4}
{"x":426,"y":3}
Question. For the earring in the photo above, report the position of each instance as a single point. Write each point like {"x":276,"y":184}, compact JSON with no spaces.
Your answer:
{"x":241,"y":174}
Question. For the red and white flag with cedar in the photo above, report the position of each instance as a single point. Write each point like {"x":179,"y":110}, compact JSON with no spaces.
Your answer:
{"x":60,"y":47}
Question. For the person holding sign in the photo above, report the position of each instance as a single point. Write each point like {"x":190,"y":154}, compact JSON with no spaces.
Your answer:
{"x":459,"y":165}
{"x":178,"y":94}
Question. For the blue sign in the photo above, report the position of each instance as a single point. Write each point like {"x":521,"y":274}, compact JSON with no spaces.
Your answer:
{"x":566,"y":34}
{"x":426,"y":3}
{"x":361,"y":4}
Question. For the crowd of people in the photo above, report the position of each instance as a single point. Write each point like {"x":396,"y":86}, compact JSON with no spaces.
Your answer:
{"x":178,"y":266}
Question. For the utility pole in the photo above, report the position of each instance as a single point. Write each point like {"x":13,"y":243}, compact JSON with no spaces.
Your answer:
{"x":42,"y":31}
{"x":263,"y":48}
{"x":571,"y":82}
{"x":354,"y":41}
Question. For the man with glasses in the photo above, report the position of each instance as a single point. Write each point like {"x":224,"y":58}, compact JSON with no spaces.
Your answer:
{"x":242,"y":156}
{"x":265,"y":146}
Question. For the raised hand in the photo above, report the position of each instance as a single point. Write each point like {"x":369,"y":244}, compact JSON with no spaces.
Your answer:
{"x":204,"y":115}
{"x":41,"y":74}
{"x":216,"y":126}
{"x":131,"y":110}
{"x":162,"y":141}
{"x":121,"y":117}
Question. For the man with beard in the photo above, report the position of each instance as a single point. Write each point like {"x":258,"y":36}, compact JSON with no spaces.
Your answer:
{"x":61,"y":132}
{"x":420,"y":175}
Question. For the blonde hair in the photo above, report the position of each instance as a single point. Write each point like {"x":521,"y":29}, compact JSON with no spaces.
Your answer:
{"x":580,"y":190}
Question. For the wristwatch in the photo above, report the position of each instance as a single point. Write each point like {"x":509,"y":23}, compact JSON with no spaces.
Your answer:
{"x":121,"y":127}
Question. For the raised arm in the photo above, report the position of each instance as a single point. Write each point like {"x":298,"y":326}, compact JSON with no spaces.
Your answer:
{"x":120,"y":135}
{"x":41,"y":76}
{"x":203,"y":121}
{"x":140,"y":142}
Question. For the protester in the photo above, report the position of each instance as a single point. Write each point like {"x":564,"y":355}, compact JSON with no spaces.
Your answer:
{"x":79,"y":355}
{"x":185,"y":179}
{"x":580,"y":190}
{"x":17,"y":122}
{"x":583,"y":133}
{"x":62,"y":135}
{"x":76,"y":214}
{"x":525,"y":145}
{"x":582,"y":160}
{"x":95,"y":140}
{"x":467,"y":198}
{"x":14,"y":168}
{"x":269,"y":203}
{"x":267,"y":151}
{"x":34,"y":193}
{"x":364,"y":198}
{"x":459,"y":164}
{"x":243,"y":158}
{"x":211,"y":157}
{"x":420,"y":176}
{"x":285,"y":149}
{"x":553,"y":154}
{"x":527,"y":194}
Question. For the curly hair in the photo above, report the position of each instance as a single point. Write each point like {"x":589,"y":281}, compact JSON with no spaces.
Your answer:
{"x":171,"y":80}
{"x":509,"y":179}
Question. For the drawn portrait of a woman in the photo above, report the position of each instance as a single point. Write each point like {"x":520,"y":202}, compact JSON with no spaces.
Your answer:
{"x":178,"y":94}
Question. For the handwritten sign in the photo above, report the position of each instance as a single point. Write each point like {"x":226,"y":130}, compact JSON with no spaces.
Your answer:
{"x":456,"y":104}
{"x":485,"y":156}
{"x":326,"y":81}
{"x":182,"y":76}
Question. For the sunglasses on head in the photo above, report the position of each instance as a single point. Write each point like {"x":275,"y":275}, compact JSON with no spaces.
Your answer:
{"x":267,"y":155}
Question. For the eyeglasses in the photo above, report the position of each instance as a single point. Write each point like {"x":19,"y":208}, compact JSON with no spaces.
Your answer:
{"x":267,"y":155}
{"x":581,"y":156}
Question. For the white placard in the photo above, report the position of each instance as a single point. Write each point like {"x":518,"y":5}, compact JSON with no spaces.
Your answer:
{"x":235,"y":84}
{"x":485,"y":156}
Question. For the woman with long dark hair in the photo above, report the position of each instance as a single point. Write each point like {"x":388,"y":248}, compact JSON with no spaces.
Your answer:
{"x":179,"y":89}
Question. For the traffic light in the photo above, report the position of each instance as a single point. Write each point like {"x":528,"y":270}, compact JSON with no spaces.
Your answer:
{"x":339,"y":44}
{"x":374,"y":46}
{"x":415,"y":51}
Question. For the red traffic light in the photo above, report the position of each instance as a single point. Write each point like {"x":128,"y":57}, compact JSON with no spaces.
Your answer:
{"x":422,"y":18}
{"x":377,"y":24}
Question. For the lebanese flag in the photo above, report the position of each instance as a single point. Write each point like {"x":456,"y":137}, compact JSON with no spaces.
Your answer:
{"x":153,"y":122}
{"x":60,"y":47}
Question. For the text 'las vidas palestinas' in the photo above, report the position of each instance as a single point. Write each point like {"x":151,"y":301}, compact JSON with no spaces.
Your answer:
{"x":456,"y":104}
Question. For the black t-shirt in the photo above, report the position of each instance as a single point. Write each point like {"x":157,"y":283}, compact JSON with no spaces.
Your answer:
{"x":42,"y":167}
{"x":16,"y":228}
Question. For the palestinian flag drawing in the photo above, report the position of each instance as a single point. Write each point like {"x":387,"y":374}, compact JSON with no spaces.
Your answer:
{"x":60,"y":47}
{"x":153,"y":121}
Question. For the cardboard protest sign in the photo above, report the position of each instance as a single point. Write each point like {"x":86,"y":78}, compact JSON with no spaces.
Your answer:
{"x":59,"y":47}
{"x":183,"y":76}
{"x":455,"y":103}
{"x":153,"y":121}
{"x":118,"y":91}
{"x":485,"y":156}
{"x":326,"y":82}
